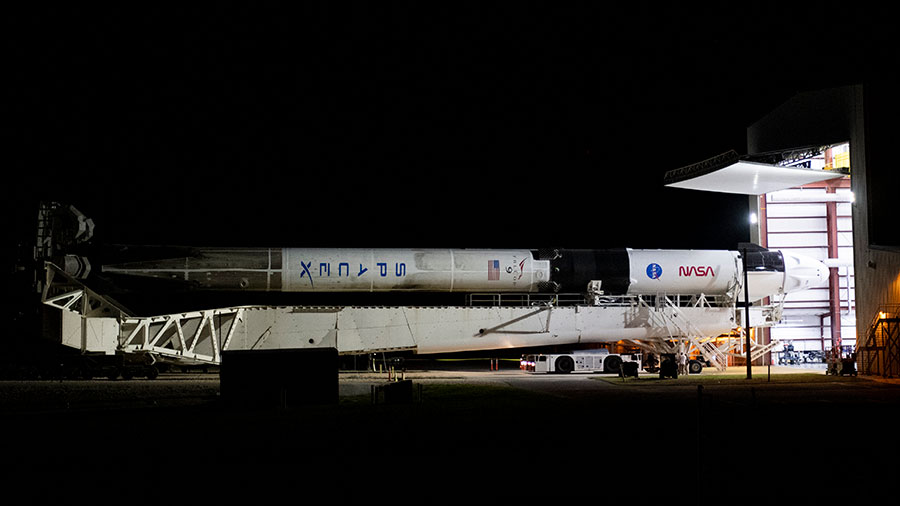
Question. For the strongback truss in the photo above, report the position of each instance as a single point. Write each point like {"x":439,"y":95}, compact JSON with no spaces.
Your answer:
{"x":192,"y":337}
{"x":665,"y":324}
{"x":198,"y":336}
{"x":65,"y":292}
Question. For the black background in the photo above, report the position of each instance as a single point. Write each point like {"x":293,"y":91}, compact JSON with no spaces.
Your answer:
{"x":397,"y":125}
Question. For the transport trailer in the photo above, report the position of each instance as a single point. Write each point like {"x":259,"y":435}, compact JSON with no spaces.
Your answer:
{"x":600,"y":361}
{"x":87,"y":366}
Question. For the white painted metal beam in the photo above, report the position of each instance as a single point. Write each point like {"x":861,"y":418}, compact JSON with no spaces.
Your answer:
{"x":752,"y":178}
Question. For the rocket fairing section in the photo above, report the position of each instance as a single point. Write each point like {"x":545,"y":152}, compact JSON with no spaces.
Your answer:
{"x":621,"y":271}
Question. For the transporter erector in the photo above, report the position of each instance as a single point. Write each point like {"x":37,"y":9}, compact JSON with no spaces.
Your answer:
{"x":660,"y":300}
{"x":663,"y":301}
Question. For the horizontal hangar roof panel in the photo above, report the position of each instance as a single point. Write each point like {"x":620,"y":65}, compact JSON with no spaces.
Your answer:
{"x":729,"y":173}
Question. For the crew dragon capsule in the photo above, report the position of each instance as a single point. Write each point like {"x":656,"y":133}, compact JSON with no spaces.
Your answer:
{"x":621,"y":271}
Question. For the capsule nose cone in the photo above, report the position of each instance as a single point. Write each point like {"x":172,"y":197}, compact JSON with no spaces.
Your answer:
{"x":803,"y":273}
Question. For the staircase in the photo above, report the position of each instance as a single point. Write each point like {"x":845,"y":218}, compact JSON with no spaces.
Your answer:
{"x":880,"y":353}
{"x":704,"y":344}
{"x":667,"y":315}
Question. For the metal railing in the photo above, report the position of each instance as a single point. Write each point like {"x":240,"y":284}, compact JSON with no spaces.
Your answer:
{"x":524,"y":299}
{"x":880,"y":353}
{"x":577,"y":299}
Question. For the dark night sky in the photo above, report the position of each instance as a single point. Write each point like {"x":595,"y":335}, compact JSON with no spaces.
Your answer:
{"x":378,"y":126}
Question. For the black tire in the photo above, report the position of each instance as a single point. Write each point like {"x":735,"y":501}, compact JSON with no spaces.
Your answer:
{"x":152,"y":372}
{"x":565,"y":364}
{"x":694,"y":367}
{"x":612,"y":364}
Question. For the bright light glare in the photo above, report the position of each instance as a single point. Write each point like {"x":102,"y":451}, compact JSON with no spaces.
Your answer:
{"x":753,"y":218}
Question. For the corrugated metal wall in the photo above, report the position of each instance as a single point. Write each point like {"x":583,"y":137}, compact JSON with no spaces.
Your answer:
{"x":877,"y":269}
{"x":865,"y":115}
{"x":801,"y":227}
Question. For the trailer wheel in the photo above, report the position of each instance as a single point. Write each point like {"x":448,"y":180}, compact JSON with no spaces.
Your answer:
{"x":565,"y":364}
{"x":612,"y":364}
{"x":113,"y":374}
{"x":152,"y":372}
{"x":695,"y":366}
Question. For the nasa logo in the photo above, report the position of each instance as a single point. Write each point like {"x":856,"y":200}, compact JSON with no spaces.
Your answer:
{"x":698,"y":270}
{"x":654,"y":271}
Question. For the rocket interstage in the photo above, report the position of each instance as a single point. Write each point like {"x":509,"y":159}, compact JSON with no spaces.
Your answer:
{"x":621,"y":271}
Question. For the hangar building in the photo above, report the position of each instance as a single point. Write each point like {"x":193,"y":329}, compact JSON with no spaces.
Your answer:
{"x":848,"y":219}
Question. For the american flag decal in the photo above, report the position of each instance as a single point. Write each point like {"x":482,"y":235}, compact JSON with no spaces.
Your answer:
{"x":493,"y":270}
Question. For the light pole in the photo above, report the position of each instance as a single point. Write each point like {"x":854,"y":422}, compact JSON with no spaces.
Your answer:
{"x":746,"y":311}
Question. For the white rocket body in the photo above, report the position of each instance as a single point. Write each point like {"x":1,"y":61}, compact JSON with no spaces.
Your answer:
{"x":438,"y":270}
{"x":683,"y":271}
{"x":713,"y":272}
{"x":621,"y":272}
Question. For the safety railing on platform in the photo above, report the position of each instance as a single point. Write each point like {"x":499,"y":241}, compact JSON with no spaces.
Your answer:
{"x":524,"y":299}
{"x":575,"y":299}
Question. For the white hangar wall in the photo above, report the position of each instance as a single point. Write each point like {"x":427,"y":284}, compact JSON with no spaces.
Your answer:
{"x":862,"y":116}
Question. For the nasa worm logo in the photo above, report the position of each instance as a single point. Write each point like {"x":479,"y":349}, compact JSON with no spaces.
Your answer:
{"x":654,"y":271}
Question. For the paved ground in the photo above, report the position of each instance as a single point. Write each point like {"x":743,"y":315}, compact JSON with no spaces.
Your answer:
{"x":475,"y":436}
